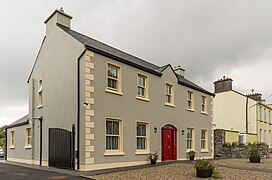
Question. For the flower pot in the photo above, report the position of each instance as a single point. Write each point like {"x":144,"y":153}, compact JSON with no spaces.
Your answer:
{"x":153,"y":161}
{"x":192,"y":158}
{"x":203,"y":173}
{"x":255,"y":159}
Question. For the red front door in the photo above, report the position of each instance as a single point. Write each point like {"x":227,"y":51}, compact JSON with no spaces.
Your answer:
{"x":169,"y":144}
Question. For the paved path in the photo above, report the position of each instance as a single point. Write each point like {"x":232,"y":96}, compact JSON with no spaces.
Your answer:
{"x":14,"y":172}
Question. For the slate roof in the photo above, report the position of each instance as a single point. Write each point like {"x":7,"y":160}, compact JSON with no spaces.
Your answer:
{"x":22,"y":121}
{"x":111,"y":52}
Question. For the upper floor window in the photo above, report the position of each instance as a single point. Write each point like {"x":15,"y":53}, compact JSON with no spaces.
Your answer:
{"x":190,"y":100}
{"x":169,"y":94}
{"x":269,"y":116}
{"x":203,"y":104}
{"x":142,"y":86}
{"x":260,"y":112}
{"x":113,"y":78}
{"x":264,"y":114}
{"x":40,"y":94}
{"x":28,"y":137}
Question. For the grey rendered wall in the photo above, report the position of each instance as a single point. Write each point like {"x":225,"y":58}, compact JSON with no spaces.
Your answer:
{"x":155,"y":112}
{"x":19,"y":142}
{"x":57,"y":67}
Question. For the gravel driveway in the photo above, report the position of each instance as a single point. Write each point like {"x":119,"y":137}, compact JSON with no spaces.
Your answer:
{"x":185,"y":171}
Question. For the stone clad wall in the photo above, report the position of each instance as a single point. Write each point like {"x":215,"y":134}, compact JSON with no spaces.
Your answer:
{"x":233,"y":150}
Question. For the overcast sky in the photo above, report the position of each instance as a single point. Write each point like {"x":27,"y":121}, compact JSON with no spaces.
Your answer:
{"x":209,"y":38}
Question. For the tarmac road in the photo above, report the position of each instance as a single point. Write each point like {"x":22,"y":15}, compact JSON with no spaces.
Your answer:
{"x":14,"y":172}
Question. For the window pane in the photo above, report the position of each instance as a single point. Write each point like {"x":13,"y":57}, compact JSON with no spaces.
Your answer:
{"x":109,"y":127}
{"x":141,"y":143}
{"x":115,"y":127}
{"x":141,"y":130}
{"x":168,"y":98}
{"x":112,"y":83}
{"x":108,"y":142}
{"x":189,"y":133}
{"x":115,"y":142}
{"x":203,"y":134}
{"x":112,"y":72}
{"x":203,"y":144}
{"x":189,"y":144}
{"x":141,"y":91}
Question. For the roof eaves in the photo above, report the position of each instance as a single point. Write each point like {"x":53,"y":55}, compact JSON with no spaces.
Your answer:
{"x":196,"y":88}
{"x":18,"y":124}
{"x":123,"y":60}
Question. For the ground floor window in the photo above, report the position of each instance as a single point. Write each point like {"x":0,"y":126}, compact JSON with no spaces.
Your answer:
{"x":190,"y":138}
{"x":141,"y":136}
{"x":204,"y":137}
{"x":112,"y":134}
{"x":28,"y":137}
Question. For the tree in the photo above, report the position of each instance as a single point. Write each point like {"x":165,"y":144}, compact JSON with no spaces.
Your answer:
{"x":3,"y":137}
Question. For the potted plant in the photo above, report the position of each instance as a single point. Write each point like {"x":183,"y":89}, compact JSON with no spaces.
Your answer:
{"x":191,"y":155}
{"x":254,"y":155}
{"x":204,"y":168}
{"x":153,"y":157}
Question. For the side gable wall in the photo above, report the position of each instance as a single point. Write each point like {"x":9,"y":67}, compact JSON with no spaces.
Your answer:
{"x":56,"y":66}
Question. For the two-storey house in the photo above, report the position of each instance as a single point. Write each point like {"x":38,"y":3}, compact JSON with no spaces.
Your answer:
{"x":110,"y":107}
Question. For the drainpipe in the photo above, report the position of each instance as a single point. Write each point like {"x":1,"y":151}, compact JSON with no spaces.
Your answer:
{"x":246,"y":115}
{"x":40,"y":119}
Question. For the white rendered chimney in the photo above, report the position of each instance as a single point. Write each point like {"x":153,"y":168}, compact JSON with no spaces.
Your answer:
{"x":58,"y":17}
{"x":179,"y":70}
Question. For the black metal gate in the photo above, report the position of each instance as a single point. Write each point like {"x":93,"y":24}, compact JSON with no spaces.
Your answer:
{"x":61,"y":148}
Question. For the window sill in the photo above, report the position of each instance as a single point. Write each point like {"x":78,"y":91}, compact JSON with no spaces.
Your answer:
{"x":170,"y":105}
{"x":114,"y":92}
{"x":114,"y":153}
{"x":203,"y":112}
{"x":12,"y":147}
{"x":188,"y":150}
{"x":139,"y":152}
{"x":142,"y":98}
{"x":192,"y":110}
{"x":28,"y":147}
{"x":40,"y":106}
{"x":204,"y":151}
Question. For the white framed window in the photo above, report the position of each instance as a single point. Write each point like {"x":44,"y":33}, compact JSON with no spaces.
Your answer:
{"x":28,"y":138}
{"x":269,"y":116}
{"x":264,"y":136}
{"x":260,"y":112}
{"x":269,"y":137}
{"x":190,"y":138}
{"x":142,"y":86}
{"x":264,"y":114}
{"x":12,"y":133}
{"x":114,"y":78}
{"x":169,"y":94}
{"x":190,"y":100}
{"x":260,"y":135}
{"x":204,"y":139}
{"x":203,"y":104}
{"x":40,"y":94}
{"x":114,"y":139}
{"x":142,"y":136}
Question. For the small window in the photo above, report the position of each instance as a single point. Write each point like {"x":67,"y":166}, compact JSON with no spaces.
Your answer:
{"x":264,"y":114}
{"x":260,"y":112}
{"x":112,"y":134}
{"x":113,"y":77}
{"x":269,"y":116}
{"x":28,"y":136}
{"x":261,"y":135}
{"x":142,"y":86}
{"x":190,"y":100}
{"x":203,"y":104}
{"x":40,"y":98}
{"x":141,"y":136}
{"x":264,"y":136}
{"x":204,"y":141}
{"x":190,"y":138}
{"x":169,"y":94}
{"x":11,"y":138}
